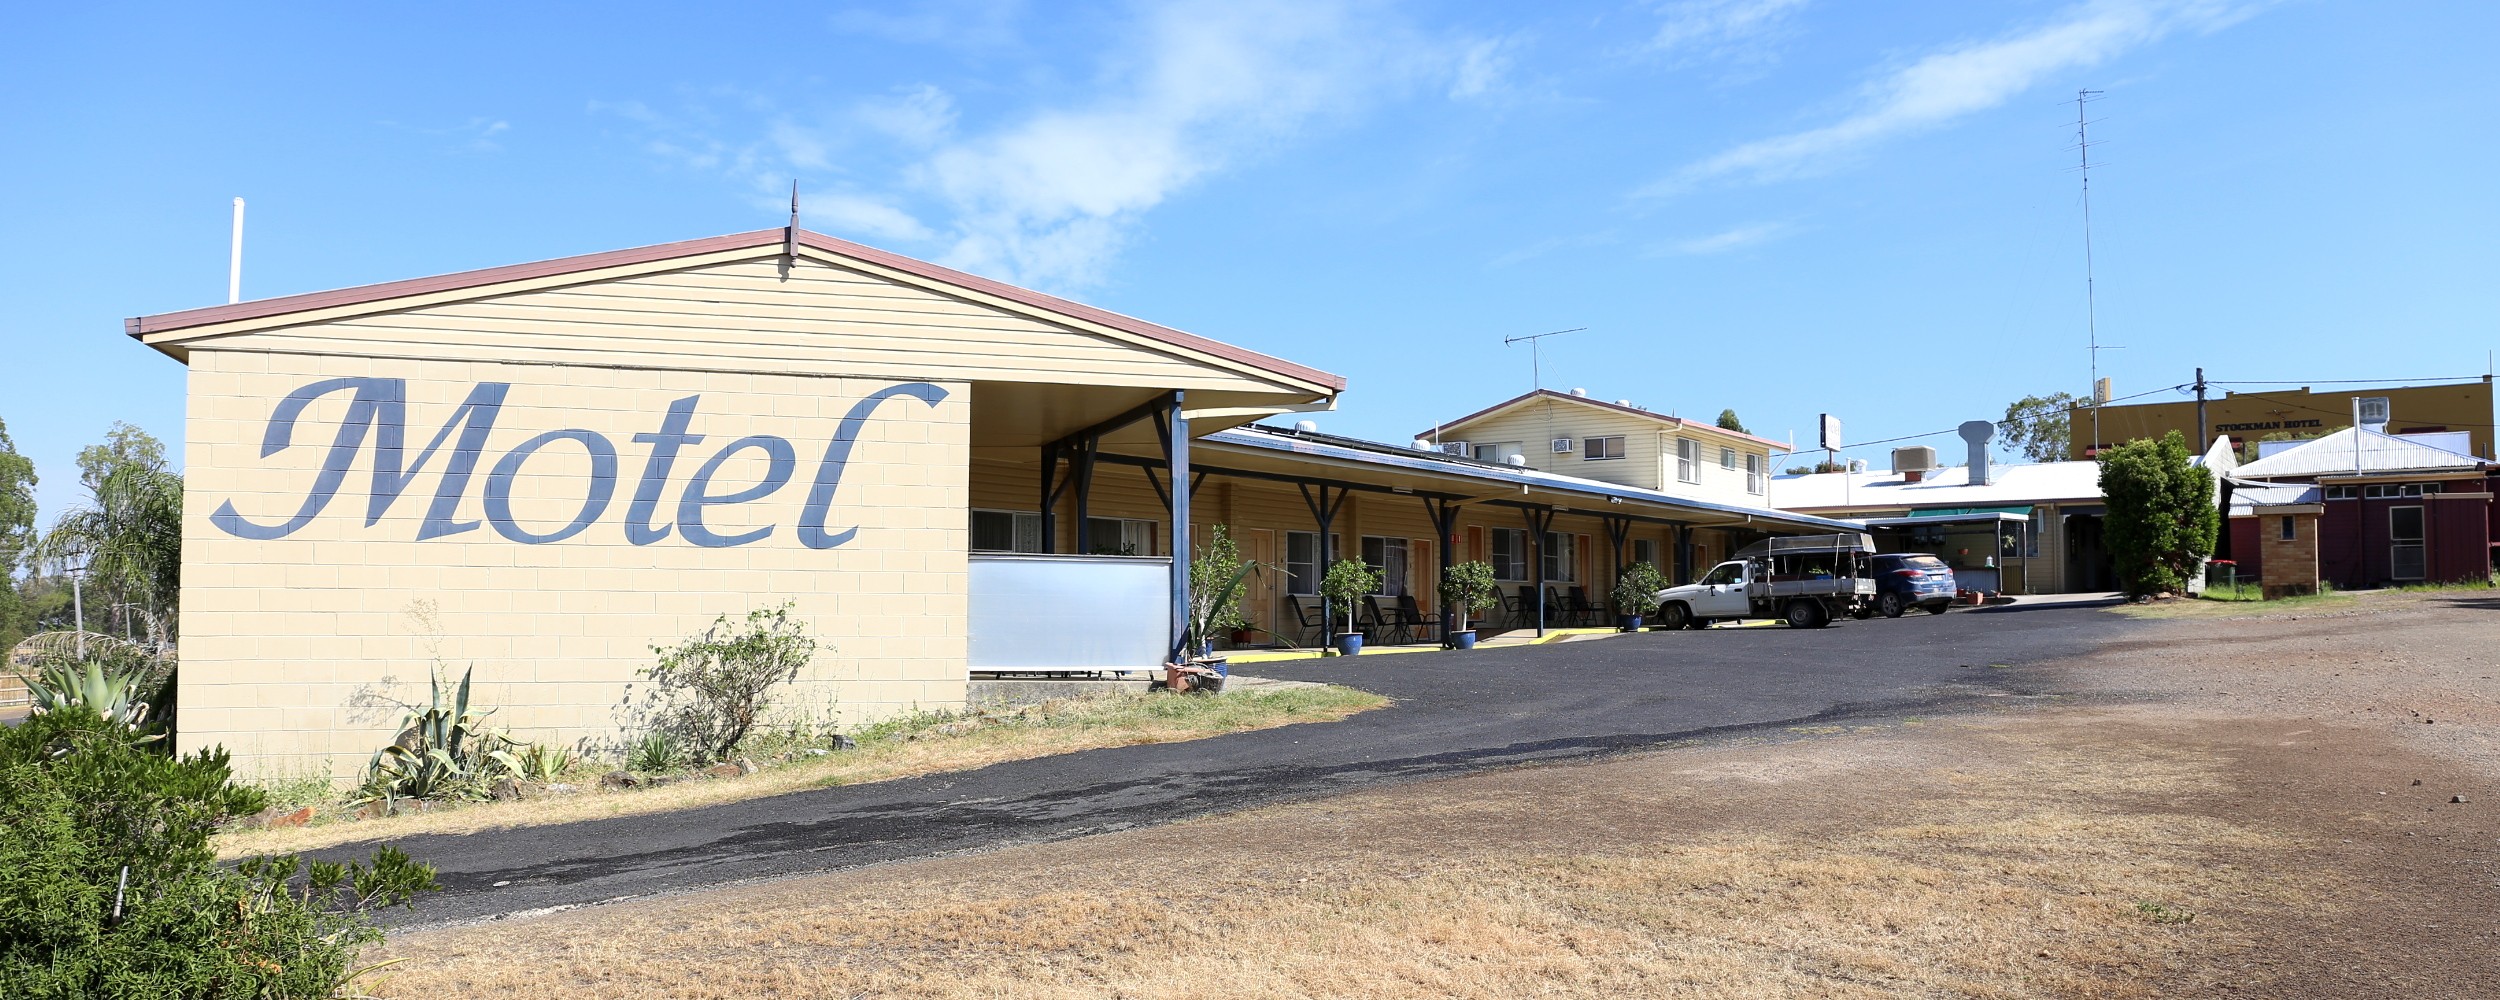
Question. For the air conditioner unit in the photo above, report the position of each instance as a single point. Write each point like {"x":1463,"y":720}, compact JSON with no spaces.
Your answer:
{"x":1458,"y":448}
{"x":1562,"y":446}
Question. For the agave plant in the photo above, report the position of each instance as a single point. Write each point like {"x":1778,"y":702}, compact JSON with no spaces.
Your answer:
{"x":539,"y":762}
{"x":655,"y":751}
{"x":442,"y":749}
{"x":113,"y":694}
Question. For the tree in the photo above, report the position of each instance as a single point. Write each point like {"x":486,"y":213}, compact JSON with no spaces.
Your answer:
{"x":1728,"y":421}
{"x":129,"y":535}
{"x":123,"y":445}
{"x":2162,"y":517}
{"x":17,"y":503}
{"x":2038,"y":427}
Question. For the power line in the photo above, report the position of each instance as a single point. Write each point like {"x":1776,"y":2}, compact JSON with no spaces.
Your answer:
{"x":2350,"y":381}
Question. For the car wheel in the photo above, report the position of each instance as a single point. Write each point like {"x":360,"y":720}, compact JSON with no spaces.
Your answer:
{"x":1675,"y":617}
{"x":1938,"y":607}
{"x":1892,"y":605}
{"x":1806,"y":614}
{"x":1862,"y":612}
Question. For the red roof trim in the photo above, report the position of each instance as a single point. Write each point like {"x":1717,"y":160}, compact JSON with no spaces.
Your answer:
{"x":1677,"y":422}
{"x":261,"y":309}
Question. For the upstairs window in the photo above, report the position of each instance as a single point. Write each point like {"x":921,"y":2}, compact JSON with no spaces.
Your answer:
{"x":1753,"y":474}
{"x":1727,"y":459}
{"x":1687,"y":460}
{"x":1601,"y":448}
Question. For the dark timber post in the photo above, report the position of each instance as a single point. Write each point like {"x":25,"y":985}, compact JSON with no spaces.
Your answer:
{"x":1444,"y":515}
{"x":1539,"y":520}
{"x":1176,"y":462}
{"x":1324,"y":511}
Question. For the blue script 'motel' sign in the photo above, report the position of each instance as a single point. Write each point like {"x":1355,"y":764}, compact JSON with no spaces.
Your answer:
{"x":380,"y":407}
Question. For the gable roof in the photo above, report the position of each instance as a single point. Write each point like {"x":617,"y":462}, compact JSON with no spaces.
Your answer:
{"x":1672,"y":423}
{"x":2336,"y":454}
{"x":155,"y":330}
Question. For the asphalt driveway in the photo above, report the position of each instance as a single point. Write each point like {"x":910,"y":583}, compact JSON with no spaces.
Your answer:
{"x":1454,"y":714}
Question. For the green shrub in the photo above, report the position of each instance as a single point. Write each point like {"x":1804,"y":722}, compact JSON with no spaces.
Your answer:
{"x":707,"y":691}
{"x":2162,"y":517}
{"x":1636,"y":591}
{"x":1347,"y":583}
{"x":108,"y":886}
{"x":656,"y":751}
{"x":444,"y":751}
{"x":1468,"y":589}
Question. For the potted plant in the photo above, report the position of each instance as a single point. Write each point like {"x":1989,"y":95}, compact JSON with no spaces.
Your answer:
{"x":1636,"y":594}
{"x":1466,"y":589}
{"x":1216,"y":575}
{"x":1347,"y":583}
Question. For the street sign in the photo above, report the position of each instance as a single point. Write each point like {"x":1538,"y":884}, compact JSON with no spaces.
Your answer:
{"x":1831,"y":433}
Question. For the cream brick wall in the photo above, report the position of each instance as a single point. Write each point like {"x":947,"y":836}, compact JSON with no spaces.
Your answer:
{"x":294,"y":648}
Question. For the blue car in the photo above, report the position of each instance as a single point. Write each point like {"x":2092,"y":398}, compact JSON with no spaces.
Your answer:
{"x":1907,"y":579}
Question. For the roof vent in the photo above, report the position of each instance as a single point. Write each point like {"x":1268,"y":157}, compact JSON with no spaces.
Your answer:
{"x":1306,"y":426}
{"x":1422,"y":445}
{"x":1913,"y":462}
{"x":1582,"y":393}
{"x":1976,"y":434}
{"x":1625,"y":403}
{"x":1517,"y":459}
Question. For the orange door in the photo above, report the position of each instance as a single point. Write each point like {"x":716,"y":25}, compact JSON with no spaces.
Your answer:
{"x":1259,"y":546}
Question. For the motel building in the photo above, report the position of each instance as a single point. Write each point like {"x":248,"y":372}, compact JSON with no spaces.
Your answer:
{"x":560,"y":465}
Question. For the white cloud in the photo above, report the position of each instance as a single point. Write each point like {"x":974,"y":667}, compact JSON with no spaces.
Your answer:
{"x":1738,"y":238}
{"x":1049,"y":195}
{"x":1719,"y":27}
{"x":1947,"y":85}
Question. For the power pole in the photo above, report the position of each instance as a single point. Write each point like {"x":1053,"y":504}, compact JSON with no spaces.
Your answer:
{"x":2202,"y":438}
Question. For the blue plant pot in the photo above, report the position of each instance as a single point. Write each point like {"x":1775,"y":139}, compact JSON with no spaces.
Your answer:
{"x":1350,"y":643}
{"x":1463,"y":639}
{"x":1628,"y":623}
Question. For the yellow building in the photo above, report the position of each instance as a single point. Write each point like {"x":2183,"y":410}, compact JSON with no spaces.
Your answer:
{"x":541,"y":471}
{"x":2253,"y":416}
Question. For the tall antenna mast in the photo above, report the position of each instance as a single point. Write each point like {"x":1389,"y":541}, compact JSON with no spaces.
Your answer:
{"x":2091,"y":314}
{"x":234,"y":259}
{"x":1536,"y":359}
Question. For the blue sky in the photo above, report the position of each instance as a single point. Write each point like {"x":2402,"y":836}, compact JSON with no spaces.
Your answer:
{"x":1784,"y":206}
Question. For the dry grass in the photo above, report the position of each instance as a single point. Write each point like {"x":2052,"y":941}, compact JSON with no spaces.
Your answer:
{"x":2190,"y":607}
{"x":926,"y":744}
{"x":1984,"y":862}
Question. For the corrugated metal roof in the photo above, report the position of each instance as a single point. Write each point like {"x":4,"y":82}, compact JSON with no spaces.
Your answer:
{"x":2336,"y":454}
{"x":1378,"y":453}
{"x":2246,"y":498}
{"x":2008,"y":485}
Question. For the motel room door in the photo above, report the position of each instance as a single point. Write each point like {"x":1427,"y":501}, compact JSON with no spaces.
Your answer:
{"x":1259,"y":546}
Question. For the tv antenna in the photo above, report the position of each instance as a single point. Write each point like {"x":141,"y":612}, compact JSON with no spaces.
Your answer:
{"x":2091,"y":315}
{"x":1536,"y":345}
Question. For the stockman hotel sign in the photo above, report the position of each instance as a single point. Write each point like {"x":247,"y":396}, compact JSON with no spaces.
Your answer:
{"x":547,"y":524}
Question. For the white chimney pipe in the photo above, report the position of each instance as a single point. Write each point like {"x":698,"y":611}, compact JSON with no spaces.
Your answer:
{"x":234,"y":261}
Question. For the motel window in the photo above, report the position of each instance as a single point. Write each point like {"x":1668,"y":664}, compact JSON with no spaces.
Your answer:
{"x":1562,"y":557}
{"x":1006,"y":531}
{"x":1687,"y":460}
{"x":1510,"y":554}
{"x":1303,"y":563}
{"x":1727,"y":459}
{"x":1119,"y":536}
{"x":1596,"y":448}
{"x":1387,"y":556}
{"x":1500,"y":451}
{"x":1753,"y":474}
{"x":2339,"y":493}
{"x":1645,"y":550}
{"x":2289,"y":532}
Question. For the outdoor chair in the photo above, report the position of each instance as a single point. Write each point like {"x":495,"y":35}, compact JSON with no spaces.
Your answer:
{"x":1557,"y":610}
{"x":1424,"y":625}
{"x":1389,"y":626}
{"x":1520,"y":607}
{"x":1582,"y":610}
{"x":1307,"y":616}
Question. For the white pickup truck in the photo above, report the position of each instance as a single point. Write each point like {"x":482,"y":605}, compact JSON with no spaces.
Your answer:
{"x":1806,"y":581}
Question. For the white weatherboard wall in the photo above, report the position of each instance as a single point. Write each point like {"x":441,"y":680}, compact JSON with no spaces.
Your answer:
{"x":296,"y":648}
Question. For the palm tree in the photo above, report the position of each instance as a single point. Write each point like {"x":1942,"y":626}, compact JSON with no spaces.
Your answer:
{"x":129,"y":535}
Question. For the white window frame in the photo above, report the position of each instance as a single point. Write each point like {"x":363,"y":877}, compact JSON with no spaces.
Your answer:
{"x":1024,"y":530}
{"x":1727,"y":458}
{"x":1512,"y":566}
{"x":1561,"y":557}
{"x":1602,"y":449}
{"x":1687,"y":460}
{"x":1395,"y":556}
{"x":1137,"y":536}
{"x":1754,"y":467}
